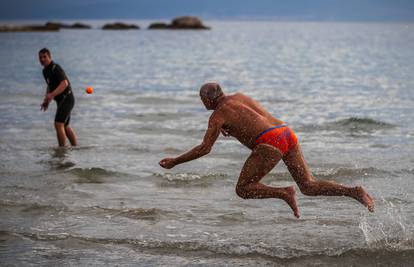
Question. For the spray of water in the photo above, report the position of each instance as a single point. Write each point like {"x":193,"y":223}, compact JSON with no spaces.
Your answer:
{"x":389,"y":229}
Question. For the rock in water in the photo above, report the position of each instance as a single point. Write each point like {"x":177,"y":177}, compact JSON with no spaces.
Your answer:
{"x":188,"y":22}
{"x":60,"y":25}
{"x":79,"y":25}
{"x":120,"y":26}
{"x":158,"y":26}
{"x":30,"y":28}
{"x":56,"y":24}
{"x":180,"y":23}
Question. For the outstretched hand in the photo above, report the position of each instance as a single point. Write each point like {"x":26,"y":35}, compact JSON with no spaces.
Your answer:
{"x":167,"y":163}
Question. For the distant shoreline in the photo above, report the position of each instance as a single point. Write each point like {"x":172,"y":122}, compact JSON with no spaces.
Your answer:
{"x":149,"y":21}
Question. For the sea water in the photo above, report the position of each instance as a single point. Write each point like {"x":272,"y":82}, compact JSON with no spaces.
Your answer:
{"x":346,"y":89}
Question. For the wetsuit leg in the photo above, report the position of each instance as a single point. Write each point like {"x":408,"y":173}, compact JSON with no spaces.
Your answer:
{"x":64,"y":109}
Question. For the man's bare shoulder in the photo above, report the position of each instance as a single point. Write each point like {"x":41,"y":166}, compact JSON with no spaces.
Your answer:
{"x":242,"y":98}
{"x":240,"y":95}
{"x":230,"y":106}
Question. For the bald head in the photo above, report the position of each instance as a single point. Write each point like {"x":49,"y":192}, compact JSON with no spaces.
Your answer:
{"x":209,"y":93}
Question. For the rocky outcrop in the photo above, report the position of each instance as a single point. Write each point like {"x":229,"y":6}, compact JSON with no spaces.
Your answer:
{"x":120,"y":26}
{"x":181,"y":23}
{"x":30,"y":28}
{"x":187,"y":22}
{"x":158,"y":26}
{"x":76,"y":25}
{"x":47,"y":27}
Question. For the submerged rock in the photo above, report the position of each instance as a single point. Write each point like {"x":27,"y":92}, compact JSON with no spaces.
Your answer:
{"x":180,"y":23}
{"x":120,"y":26}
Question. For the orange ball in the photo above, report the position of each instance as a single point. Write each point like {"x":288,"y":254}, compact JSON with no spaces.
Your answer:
{"x":89,"y":90}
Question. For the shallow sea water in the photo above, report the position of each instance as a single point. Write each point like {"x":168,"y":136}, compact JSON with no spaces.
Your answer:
{"x":345,"y":88}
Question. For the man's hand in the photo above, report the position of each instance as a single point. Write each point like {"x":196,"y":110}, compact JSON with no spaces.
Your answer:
{"x":46,"y":102}
{"x":213,"y":131}
{"x":167,"y":163}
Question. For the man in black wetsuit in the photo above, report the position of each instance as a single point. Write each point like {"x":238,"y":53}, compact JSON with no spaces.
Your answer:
{"x":59,"y":89}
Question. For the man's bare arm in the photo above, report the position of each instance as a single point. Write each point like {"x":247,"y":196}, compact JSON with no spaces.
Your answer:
{"x":61,"y":87}
{"x":45,"y":103}
{"x":213,"y":131}
{"x":49,"y":96}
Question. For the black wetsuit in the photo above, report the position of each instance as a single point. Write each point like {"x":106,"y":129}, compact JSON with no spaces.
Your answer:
{"x":54,"y":75}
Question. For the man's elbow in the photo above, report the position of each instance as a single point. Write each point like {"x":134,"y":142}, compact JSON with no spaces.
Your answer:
{"x":204,"y":150}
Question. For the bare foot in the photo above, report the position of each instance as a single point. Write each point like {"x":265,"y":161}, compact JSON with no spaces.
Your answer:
{"x":291,"y":200}
{"x":364,"y":198}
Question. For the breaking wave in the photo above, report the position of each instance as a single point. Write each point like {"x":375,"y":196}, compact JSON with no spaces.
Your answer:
{"x":188,"y":179}
{"x":231,"y":249}
{"x":336,"y":173}
{"x":151,"y":214}
{"x":92,"y":175}
{"x":350,"y":125}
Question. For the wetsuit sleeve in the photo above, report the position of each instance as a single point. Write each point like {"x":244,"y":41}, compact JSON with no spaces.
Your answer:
{"x":59,"y":74}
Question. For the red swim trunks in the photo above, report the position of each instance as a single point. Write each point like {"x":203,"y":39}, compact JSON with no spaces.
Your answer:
{"x":280,"y":137}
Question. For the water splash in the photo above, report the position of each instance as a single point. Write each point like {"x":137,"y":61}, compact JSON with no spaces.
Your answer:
{"x":390,"y":230}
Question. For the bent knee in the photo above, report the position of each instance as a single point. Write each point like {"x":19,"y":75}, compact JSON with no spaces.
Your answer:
{"x":242,"y":191}
{"x":308,"y":188}
{"x":59,"y":125}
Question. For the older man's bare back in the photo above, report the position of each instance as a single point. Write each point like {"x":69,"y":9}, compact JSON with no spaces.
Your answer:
{"x":244,"y":118}
{"x":270,"y":140}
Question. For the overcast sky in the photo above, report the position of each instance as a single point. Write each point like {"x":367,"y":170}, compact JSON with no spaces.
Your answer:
{"x":339,"y":10}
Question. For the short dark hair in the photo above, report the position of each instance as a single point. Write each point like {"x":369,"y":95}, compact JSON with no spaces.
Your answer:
{"x":44,"y":51}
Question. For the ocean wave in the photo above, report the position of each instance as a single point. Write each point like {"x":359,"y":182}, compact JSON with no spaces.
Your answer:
{"x":194,"y":179}
{"x":335,"y":173}
{"x":230,"y":249}
{"x":351,"y":173}
{"x":152,"y":214}
{"x":232,"y":218}
{"x":31,"y":207}
{"x":157,"y":117}
{"x":157,"y":100}
{"x":350,"y":125}
{"x":188,"y":179}
{"x":92,"y":175}
{"x":360,"y":124}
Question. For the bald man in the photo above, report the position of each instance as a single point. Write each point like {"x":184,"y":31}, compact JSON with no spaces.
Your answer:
{"x":270,"y":140}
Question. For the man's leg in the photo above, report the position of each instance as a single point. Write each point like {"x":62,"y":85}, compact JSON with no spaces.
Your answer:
{"x":71,"y":135}
{"x":60,"y":133}
{"x":260,"y":162}
{"x":308,"y":185}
